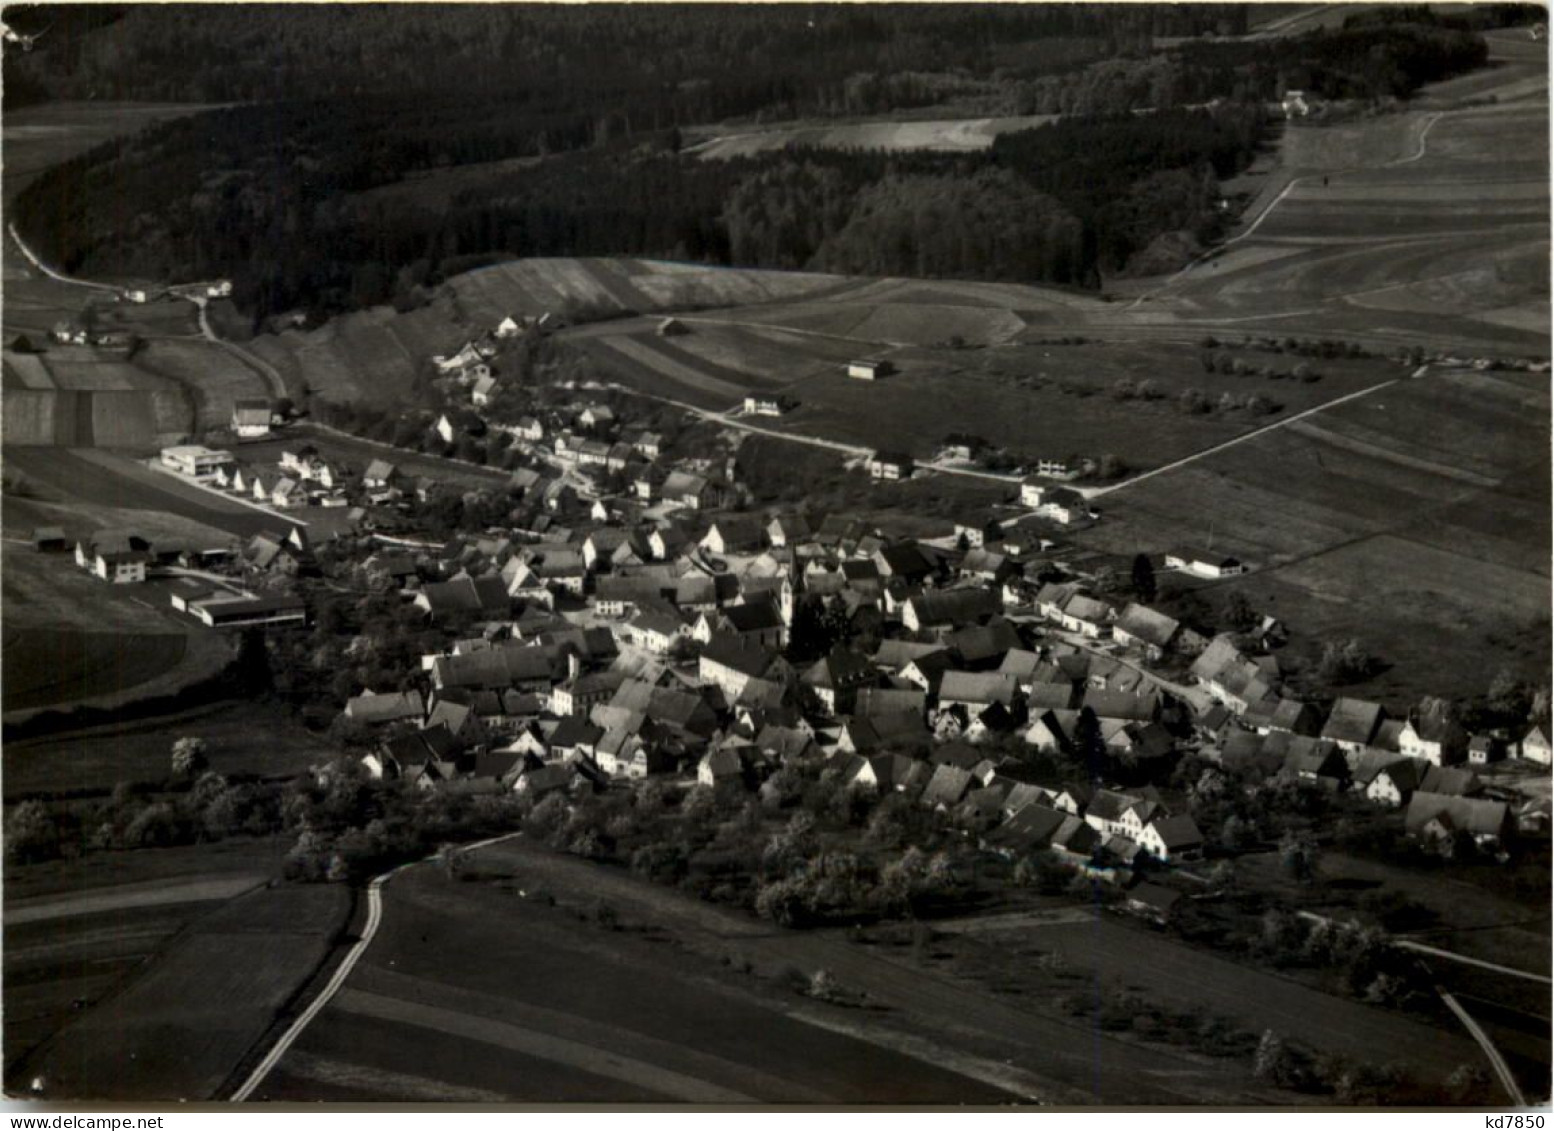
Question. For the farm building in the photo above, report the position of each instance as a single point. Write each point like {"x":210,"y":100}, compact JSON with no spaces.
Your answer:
{"x":672,"y":327}
{"x":688,"y":490}
{"x":890,"y":465}
{"x":49,"y":539}
{"x":1203,"y":562}
{"x":389,"y":707}
{"x":1433,"y":736}
{"x":769,"y":405}
{"x":1150,"y":631}
{"x":1294,"y":104}
{"x":1484,"y":749}
{"x":380,"y":474}
{"x":1064,"y":469}
{"x":1062,"y":505}
{"x":732,"y":535}
{"x":508,"y":327}
{"x":1437,"y":818}
{"x":596,"y":416}
{"x":870,"y":369}
{"x":232,"y":611}
{"x":119,"y":566}
{"x":484,"y":388}
{"x":466,"y":356}
{"x":195,"y":460}
{"x":69,"y":333}
{"x":251,"y":419}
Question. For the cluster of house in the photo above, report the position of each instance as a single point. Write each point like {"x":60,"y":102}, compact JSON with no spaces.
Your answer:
{"x":125,"y":557}
{"x":661,"y":665}
{"x":1424,"y":761}
{"x":302,"y":477}
{"x":75,"y":332}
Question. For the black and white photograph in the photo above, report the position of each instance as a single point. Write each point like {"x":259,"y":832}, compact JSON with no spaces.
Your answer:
{"x":740,"y":556}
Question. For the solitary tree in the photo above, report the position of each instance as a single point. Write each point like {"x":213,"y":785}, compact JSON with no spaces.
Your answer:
{"x":189,"y":756}
{"x":1144,"y":577}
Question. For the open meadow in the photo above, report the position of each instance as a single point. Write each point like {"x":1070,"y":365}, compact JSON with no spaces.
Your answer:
{"x":78,"y":930}
{"x":182,"y":1020}
{"x":1429,"y":226}
{"x":241,"y":739}
{"x":679,"y":1002}
{"x":1416,"y":519}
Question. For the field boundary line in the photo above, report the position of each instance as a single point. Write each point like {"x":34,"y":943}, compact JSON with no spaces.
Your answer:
{"x":1097,"y":492}
{"x":347,"y":965}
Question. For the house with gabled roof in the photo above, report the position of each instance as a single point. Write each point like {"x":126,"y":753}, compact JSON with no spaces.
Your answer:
{"x":835,"y":678}
{"x":378,"y":709}
{"x":1432,"y":734}
{"x":1086,"y":616}
{"x":1353,"y":723}
{"x":1437,"y":818}
{"x":947,"y":788}
{"x":1141,"y":627}
{"x":1385,"y":778}
{"x":786,"y":530}
{"x":1535,"y":746}
{"x":975,"y":691}
{"x":1203,"y":562}
{"x":942,"y":610}
{"x":1172,"y":838}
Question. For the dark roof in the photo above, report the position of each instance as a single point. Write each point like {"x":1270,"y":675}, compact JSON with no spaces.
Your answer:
{"x":759,"y":616}
{"x":1353,"y":720}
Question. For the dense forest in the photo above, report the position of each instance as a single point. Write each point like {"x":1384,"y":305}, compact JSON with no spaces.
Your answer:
{"x":779,"y":59}
{"x":584,"y":106}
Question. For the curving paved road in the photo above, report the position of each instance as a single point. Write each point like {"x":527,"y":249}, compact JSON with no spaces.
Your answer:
{"x":332,"y":987}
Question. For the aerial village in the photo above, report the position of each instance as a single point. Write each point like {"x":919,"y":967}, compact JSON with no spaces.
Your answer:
{"x":582,"y":640}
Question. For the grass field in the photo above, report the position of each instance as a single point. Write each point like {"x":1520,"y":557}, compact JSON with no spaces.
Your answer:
{"x":1390,"y":518}
{"x":687,"y":1000}
{"x":179,"y":1028}
{"x":44,"y":667}
{"x":958,"y":135}
{"x":585,"y":1015}
{"x":214,"y":376}
{"x":242,"y":739}
{"x":1125,"y":956}
{"x":109,"y":480}
{"x":78,"y":930}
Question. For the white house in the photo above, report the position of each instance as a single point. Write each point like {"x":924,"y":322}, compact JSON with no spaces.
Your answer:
{"x":195,"y":460}
{"x":1535,"y":746}
{"x":768,"y":404}
{"x":890,"y":465}
{"x":120,"y":567}
{"x":870,"y":369}
{"x":251,"y":419}
{"x":1203,"y":562}
{"x":481,"y":394}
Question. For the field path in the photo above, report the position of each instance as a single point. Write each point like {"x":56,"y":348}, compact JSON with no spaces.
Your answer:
{"x":1496,"y":1061}
{"x":49,"y":271}
{"x":1452,"y":956}
{"x":1097,"y":492}
{"x":1420,"y":149}
{"x":332,"y":987}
